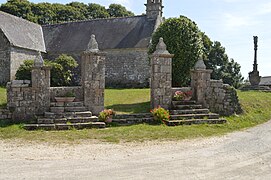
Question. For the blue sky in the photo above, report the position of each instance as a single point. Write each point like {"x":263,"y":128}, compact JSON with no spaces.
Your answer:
{"x":232,"y":22}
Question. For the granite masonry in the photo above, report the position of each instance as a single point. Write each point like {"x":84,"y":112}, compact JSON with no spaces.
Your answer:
{"x":213,"y":94}
{"x":161,"y":76}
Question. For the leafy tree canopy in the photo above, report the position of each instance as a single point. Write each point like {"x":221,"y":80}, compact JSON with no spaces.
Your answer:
{"x":45,"y":13}
{"x":61,"y":72}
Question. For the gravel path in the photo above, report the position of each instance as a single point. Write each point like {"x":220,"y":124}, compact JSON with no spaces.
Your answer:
{"x":242,"y":155}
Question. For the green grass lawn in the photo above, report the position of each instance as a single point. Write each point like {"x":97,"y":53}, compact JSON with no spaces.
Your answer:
{"x":3,"y":97}
{"x":256,"y":105}
{"x":125,"y":101}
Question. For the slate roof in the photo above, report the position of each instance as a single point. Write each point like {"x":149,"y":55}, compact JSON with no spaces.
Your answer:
{"x":22,"y":33}
{"x":265,"y":81}
{"x":113,"y":33}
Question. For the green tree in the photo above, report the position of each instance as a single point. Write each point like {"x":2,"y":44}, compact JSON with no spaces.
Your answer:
{"x":97,"y":11}
{"x":19,"y":8}
{"x":61,"y":72}
{"x":117,"y":10}
{"x":183,"y":39}
{"x":45,"y":13}
{"x":223,"y":68}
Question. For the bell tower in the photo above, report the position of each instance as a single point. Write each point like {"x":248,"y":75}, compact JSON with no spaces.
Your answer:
{"x":154,"y":9}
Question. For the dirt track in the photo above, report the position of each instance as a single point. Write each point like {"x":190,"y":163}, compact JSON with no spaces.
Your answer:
{"x":241,"y":155}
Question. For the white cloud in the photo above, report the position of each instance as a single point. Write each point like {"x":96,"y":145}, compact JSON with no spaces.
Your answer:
{"x":265,"y":8}
{"x":234,"y":21}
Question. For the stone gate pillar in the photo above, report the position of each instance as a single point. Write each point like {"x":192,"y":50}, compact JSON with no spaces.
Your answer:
{"x":93,"y":77}
{"x":200,"y":82}
{"x":161,"y":76}
{"x":40,"y":78}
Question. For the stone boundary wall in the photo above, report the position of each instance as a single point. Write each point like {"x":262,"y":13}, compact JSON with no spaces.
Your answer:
{"x":222,"y":98}
{"x":5,"y":114}
{"x":21,"y":99}
{"x":61,"y":91}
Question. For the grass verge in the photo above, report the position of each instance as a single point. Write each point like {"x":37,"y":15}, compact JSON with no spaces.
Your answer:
{"x":256,"y":106}
{"x":3,"y":97}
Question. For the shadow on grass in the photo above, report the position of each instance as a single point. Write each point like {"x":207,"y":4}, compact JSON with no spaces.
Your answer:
{"x":131,"y":108}
{"x":7,"y":122}
{"x":4,"y":105}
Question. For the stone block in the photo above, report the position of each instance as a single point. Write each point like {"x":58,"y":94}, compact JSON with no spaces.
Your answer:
{"x":165,"y":69}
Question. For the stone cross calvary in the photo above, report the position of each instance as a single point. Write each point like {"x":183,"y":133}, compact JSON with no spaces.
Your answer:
{"x":254,"y":77}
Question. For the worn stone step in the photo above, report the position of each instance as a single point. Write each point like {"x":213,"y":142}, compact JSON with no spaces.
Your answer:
{"x":82,"y":119}
{"x":126,"y":116}
{"x":194,"y":116}
{"x":57,"y":110}
{"x":183,"y":102}
{"x":45,"y":121}
{"x":194,"y":121}
{"x":189,"y":111}
{"x":60,"y":121}
{"x":49,"y":127}
{"x":130,"y":121}
{"x":67,"y":114}
{"x":75,"y":109}
{"x":31,"y":127}
{"x":67,"y":104}
{"x":181,"y":107}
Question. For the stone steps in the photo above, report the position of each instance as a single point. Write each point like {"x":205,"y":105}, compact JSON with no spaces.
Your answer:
{"x":190,"y":106}
{"x":189,"y":111}
{"x":59,"y":110}
{"x":68,"y":126}
{"x":66,"y":116}
{"x":194,"y":116}
{"x":67,"y":120}
{"x":194,"y":121}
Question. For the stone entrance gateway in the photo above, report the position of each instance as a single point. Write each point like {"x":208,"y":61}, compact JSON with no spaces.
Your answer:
{"x":31,"y":99}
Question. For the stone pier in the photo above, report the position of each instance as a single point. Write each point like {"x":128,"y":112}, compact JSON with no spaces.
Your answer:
{"x":161,"y":76}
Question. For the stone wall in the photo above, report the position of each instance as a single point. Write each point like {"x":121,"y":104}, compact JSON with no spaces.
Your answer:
{"x":5,"y":114}
{"x":61,"y":91}
{"x":127,"y":68}
{"x":213,"y":94}
{"x":222,"y":98}
{"x":18,"y":56}
{"x":21,"y":100}
{"x":4,"y":59}
{"x":123,"y":67}
{"x":25,"y":101}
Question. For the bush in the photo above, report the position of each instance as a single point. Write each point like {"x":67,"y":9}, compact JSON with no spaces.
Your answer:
{"x":61,"y":72}
{"x":160,"y":114}
{"x":24,"y":71}
{"x":105,"y":114}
